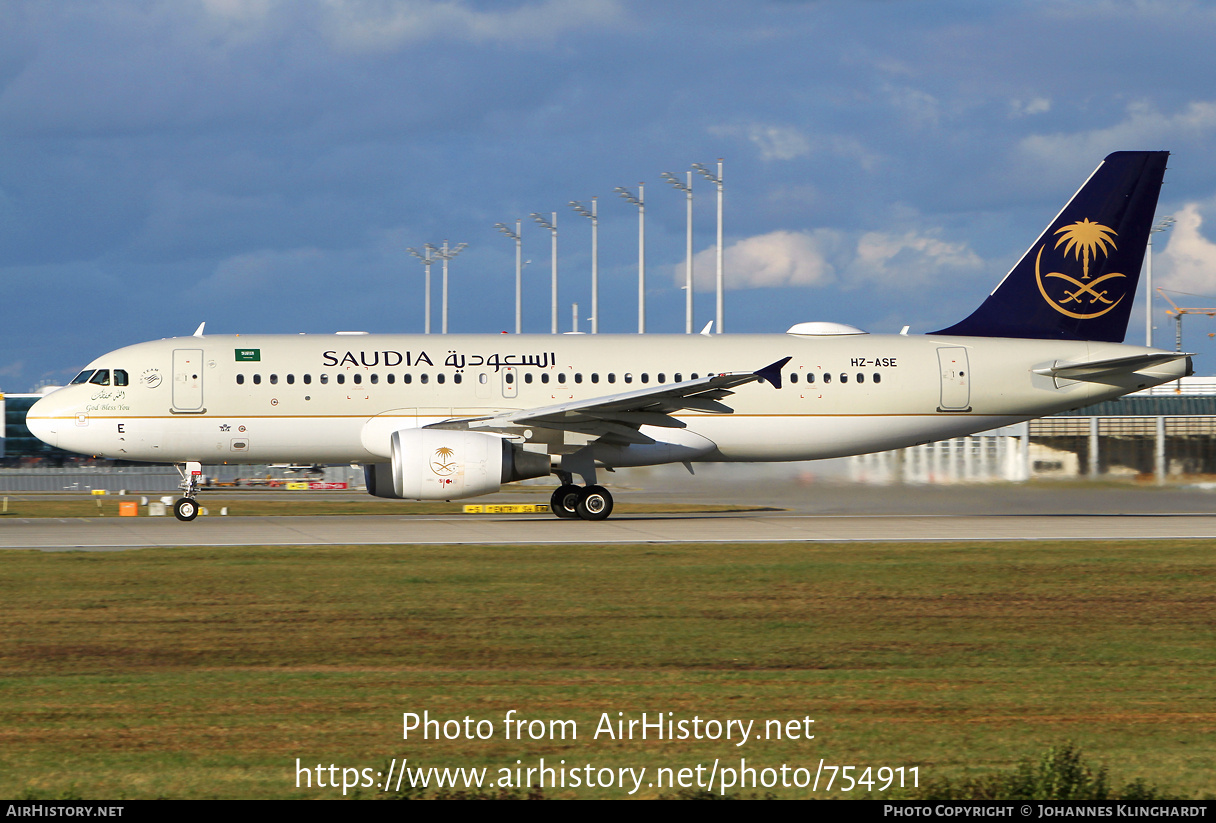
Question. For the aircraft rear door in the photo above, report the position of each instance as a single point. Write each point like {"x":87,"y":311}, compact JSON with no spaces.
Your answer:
{"x":956,"y":379}
{"x":188,"y":380}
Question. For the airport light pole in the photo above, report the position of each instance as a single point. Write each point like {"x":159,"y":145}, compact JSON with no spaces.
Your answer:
{"x":427,"y":259}
{"x":519,"y":272}
{"x":687,"y":189}
{"x":445,"y":255}
{"x":551,"y":226}
{"x":595,"y":262}
{"x":1162,"y":225}
{"x":717,"y":181}
{"x":640,"y":202}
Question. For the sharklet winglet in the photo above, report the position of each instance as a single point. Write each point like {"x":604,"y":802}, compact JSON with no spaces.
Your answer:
{"x":772,"y":372}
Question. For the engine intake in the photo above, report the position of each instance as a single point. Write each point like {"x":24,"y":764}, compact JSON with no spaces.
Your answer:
{"x":438,"y":464}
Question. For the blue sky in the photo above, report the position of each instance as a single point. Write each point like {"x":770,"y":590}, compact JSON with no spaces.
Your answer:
{"x":263,"y":165}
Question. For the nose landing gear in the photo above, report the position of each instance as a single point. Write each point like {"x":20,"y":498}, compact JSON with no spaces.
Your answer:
{"x":186,"y":508}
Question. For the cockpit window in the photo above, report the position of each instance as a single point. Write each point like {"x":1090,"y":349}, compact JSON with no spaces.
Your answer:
{"x":83,"y":377}
{"x":120,"y":377}
{"x":101,"y":377}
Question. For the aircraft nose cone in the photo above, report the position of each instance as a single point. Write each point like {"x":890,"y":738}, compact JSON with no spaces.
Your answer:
{"x":40,"y":423}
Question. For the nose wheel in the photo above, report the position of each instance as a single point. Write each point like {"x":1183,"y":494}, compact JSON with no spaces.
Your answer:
{"x":585,"y":502}
{"x":185,"y":509}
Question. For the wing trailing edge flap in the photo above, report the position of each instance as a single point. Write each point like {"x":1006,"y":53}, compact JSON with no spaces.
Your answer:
{"x":617,"y":417}
{"x":1106,"y":368}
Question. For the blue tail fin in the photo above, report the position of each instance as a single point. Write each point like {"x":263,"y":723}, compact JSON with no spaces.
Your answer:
{"x":1078,"y":280}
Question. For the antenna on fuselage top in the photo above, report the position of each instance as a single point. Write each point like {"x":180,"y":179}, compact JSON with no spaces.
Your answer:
{"x":199,"y":331}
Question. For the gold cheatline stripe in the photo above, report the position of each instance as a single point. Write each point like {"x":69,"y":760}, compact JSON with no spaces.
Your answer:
{"x":450,"y":417}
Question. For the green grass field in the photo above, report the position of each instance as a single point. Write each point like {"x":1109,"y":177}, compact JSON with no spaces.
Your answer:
{"x":207,"y":672}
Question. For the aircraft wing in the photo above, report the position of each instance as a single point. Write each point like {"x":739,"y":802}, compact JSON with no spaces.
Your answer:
{"x":617,"y":417}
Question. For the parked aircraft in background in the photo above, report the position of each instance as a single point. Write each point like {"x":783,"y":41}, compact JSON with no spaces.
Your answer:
{"x":456,"y":416}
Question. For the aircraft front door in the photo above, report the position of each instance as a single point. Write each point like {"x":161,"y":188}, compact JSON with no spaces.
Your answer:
{"x":188,"y":380}
{"x":956,"y":379}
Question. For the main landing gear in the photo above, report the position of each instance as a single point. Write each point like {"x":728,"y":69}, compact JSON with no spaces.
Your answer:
{"x":588,"y":502}
{"x":186,"y":508}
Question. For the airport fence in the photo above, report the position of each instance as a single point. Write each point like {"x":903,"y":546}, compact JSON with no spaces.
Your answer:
{"x":164,"y":478}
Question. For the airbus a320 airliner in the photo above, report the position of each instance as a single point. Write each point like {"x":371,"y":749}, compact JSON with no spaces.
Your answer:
{"x":456,"y":416}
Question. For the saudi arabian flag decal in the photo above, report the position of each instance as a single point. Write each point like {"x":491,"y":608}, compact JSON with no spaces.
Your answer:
{"x":248,"y":355}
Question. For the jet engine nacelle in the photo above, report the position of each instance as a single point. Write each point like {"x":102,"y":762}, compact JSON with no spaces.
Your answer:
{"x":438,"y":464}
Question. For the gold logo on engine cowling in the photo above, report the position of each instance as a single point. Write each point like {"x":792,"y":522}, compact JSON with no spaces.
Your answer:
{"x":443,"y":464}
{"x":1084,"y":240}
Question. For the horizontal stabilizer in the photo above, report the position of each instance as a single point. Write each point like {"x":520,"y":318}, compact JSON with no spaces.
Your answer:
{"x":1106,"y":368}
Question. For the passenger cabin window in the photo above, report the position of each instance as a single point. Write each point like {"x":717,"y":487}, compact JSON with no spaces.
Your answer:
{"x":341,"y":378}
{"x":324,"y":378}
{"x":274,"y":380}
{"x":307,"y":379}
{"x":257,"y":379}
{"x":439,"y":377}
{"x":240,"y":379}
{"x":291,"y":379}
{"x":424,"y":377}
{"x":528,"y":377}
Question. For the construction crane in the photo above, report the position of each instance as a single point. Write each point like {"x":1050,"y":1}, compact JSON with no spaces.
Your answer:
{"x":1177,"y":312}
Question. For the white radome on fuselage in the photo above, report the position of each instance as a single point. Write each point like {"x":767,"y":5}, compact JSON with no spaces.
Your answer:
{"x":841,"y":394}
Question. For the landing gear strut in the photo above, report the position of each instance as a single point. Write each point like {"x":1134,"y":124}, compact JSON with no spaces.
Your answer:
{"x":586,"y":502}
{"x":186,"y":508}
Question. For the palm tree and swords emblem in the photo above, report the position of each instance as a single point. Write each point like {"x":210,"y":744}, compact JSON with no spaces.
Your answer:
{"x":1084,"y":239}
{"x":444,"y":463}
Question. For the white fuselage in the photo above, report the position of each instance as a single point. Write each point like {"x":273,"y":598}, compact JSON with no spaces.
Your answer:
{"x":338,"y":398}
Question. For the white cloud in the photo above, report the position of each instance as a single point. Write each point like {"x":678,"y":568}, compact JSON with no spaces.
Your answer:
{"x":1188,"y":262}
{"x":777,"y":142}
{"x":1025,"y":108}
{"x":1142,"y":127}
{"x":920,"y":109}
{"x":379,"y":25}
{"x":779,"y":258}
{"x":906,"y":260}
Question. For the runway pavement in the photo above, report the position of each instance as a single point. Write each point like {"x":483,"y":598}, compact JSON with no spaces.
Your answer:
{"x":112,"y":534}
{"x":812,"y":512}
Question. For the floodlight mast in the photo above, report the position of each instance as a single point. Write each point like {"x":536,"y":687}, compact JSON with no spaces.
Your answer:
{"x":595,"y":261}
{"x":445,"y":255}
{"x":687,"y":189}
{"x":551,"y":226}
{"x":640,"y":202}
{"x":519,"y":279}
{"x":427,"y":259}
{"x":1162,"y":225}
{"x":717,"y":181}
